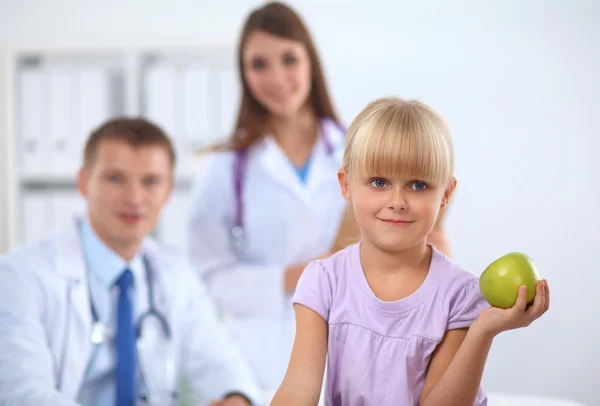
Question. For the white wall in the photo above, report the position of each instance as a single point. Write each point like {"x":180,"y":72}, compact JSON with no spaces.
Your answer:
{"x":518,"y":82}
{"x":4,"y":168}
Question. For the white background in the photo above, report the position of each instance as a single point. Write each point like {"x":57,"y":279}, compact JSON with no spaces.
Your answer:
{"x":518,"y":83}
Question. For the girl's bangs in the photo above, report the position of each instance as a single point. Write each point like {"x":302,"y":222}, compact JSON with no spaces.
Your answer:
{"x":402,"y":152}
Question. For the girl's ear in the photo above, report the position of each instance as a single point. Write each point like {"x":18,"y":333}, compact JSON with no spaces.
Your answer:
{"x":448,"y":192}
{"x":344,"y":184}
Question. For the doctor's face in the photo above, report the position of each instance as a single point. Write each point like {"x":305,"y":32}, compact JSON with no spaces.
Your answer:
{"x":126,"y":188}
{"x":278,"y":72}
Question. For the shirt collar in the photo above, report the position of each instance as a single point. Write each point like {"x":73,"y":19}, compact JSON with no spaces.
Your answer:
{"x":103,"y":263}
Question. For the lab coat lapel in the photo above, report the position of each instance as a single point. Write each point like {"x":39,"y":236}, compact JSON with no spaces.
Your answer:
{"x":163,"y":287}
{"x":322,"y":171}
{"x":69,"y":262}
{"x":280,"y":169}
{"x":325,"y":164}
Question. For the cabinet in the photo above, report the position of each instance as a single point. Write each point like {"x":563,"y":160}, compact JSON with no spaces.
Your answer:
{"x":51,"y":99}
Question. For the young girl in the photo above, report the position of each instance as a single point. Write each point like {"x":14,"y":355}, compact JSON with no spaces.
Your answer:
{"x":399,"y":322}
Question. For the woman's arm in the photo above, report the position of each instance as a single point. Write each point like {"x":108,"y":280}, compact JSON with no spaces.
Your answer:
{"x":457,"y":365}
{"x":303,"y":380}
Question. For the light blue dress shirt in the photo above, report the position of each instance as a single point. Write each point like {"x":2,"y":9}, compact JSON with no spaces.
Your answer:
{"x":303,"y":171}
{"x":104,"y":267}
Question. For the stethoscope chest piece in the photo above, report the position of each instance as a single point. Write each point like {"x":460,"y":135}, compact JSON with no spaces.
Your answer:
{"x":101,"y":332}
{"x":237,"y":238}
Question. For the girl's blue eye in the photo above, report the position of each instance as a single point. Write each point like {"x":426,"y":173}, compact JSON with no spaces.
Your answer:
{"x":378,"y":183}
{"x":418,"y":185}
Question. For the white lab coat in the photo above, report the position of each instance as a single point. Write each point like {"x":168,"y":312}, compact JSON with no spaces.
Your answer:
{"x":45,"y":321}
{"x":286,"y":223}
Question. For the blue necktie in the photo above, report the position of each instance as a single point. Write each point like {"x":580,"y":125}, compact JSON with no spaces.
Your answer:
{"x":126,"y":353}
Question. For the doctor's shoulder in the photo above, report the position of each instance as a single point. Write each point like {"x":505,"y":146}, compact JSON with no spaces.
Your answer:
{"x":30,"y":256}
{"x":336,"y":134}
{"x":214,"y":161}
{"x":209,"y":158}
{"x":170,"y":260}
{"x":30,"y":269}
{"x":212,"y":169}
{"x":162,"y":255}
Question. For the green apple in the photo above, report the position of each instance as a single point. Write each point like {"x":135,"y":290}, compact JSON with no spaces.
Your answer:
{"x":500,"y":281}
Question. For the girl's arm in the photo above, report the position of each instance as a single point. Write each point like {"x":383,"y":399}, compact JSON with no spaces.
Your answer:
{"x":303,"y":380}
{"x":456,"y":369}
{"x":457,"y":365}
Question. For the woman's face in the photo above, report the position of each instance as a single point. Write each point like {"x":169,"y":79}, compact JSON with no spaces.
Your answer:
{"x":278,"y":72}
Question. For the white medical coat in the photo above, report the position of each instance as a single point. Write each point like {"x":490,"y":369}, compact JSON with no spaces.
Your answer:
{"x":286,"y":223}
{"x":46,"y":323}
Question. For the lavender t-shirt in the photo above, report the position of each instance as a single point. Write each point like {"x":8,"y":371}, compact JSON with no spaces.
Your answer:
{"x":379,"y":352}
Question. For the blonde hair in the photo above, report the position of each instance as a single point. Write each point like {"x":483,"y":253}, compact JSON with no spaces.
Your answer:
{"x":392,"y":137}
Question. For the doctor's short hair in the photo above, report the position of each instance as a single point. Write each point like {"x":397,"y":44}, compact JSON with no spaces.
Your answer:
{"x":396,"y":137}
{"x":137,"y":132}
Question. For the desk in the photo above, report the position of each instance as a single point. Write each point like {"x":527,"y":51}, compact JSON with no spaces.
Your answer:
{"x":494,"y":399}
{"x":507,"y":399}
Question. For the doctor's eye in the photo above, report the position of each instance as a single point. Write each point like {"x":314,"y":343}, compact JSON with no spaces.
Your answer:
{"x":114,"y":178}
{"x":378,"y":183}
{"x":150,"y":181}
{"x":258,"y":64}
{"x":419,"y":185}
{"x":289,"y":59}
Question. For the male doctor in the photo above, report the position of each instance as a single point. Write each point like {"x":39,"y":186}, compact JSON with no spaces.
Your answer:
{"x":99,"y":314}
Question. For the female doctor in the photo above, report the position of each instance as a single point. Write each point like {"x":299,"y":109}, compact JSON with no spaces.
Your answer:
{"x":268,"y":201}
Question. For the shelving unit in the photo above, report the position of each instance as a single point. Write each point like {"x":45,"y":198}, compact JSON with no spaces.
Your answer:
{"x":53,"y":98}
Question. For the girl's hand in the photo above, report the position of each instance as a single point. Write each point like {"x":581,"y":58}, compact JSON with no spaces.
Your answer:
{"x":493,"y":321}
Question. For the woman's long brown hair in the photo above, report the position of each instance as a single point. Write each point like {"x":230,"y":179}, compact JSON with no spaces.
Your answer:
{"x":280,"y":20}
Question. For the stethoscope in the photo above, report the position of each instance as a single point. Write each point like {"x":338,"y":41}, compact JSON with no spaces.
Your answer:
{"x":102,"y":332}
{"x":239,"y":171}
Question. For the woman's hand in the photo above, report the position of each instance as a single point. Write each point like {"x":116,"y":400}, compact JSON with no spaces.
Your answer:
{"x":493,"y":321}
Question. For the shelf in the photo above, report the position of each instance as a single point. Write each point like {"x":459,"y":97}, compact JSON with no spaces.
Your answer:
{"x":43,"y":153}
{"x":69,"y":182}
